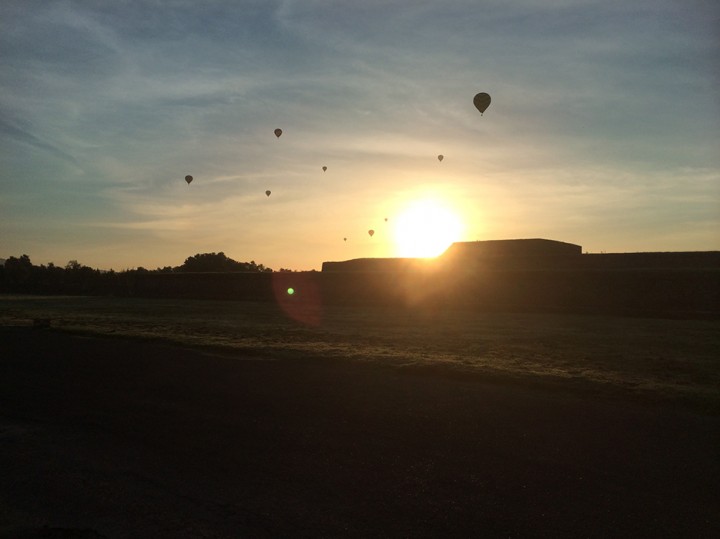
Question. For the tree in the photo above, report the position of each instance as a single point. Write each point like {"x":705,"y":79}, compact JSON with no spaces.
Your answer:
{"x":22,"y":262}
{"x":18,"y":273}
{"x":218,"y":262}
{"x":73,"y":265}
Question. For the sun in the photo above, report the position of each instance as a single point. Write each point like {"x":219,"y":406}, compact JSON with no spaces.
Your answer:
{"x":425,"y":229}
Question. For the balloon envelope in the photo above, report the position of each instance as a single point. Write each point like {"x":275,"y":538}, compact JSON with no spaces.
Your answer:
{"x":188,"y":179}
{"x":324,"y":169}
{"x":371,"y":232}
{"x":278,"y":132}
{"x":481,"y":101}
{"x":268,"y":192}
{"x":441,"y":157}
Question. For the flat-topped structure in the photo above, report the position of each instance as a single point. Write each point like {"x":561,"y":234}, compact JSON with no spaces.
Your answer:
{"x":378,"y":264}
{"x":472,"y":254}
{"x":512,"y":248}
{"x":529,"y":254}
{"x":521,"y":254}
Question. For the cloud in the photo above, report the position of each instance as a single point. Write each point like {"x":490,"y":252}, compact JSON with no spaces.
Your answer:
{"x":16,"y":134}
{"x":600,"y":111}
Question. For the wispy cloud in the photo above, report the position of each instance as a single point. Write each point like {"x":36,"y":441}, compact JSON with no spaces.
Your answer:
{"x":16,"y":134}
{"x":602,"y":112}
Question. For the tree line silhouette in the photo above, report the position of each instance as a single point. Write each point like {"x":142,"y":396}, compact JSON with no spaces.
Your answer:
{"x":677,"y":284}
{"x":20,"y":275}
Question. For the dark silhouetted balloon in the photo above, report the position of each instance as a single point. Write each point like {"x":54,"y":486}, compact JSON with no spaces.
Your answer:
{"x":324,"y":169}
{"x":278,"y":132}
{"x":386,"y":219}
{"x":188,"y":179}
{"x":441,"y":157}
{"x":344,"y":239}
{"x":371,"y":232}
{"x":268,"y":192}
{"x":481,"y":102}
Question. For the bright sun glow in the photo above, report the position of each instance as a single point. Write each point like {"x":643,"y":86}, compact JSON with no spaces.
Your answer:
{"x":425,"y":229}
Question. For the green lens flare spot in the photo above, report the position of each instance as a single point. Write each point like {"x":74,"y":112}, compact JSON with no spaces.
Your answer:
{"x":291,"y":291}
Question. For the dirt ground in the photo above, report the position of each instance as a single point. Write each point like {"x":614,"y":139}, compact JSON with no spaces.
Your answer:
{"x":116,"y":438}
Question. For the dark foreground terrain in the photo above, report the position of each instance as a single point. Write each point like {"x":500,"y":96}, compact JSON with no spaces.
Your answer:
{"x":113,"y":438}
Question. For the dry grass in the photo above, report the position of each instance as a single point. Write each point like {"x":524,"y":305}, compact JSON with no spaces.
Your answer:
{"x":663,"y":358}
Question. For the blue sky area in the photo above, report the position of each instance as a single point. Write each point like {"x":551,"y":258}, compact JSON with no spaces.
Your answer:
{"x":604,"y":127}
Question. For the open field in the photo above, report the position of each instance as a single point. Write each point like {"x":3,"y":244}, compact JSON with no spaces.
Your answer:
{"x":114,"y":438}
{"x":650,"y":358}
{"x":185,"y":419}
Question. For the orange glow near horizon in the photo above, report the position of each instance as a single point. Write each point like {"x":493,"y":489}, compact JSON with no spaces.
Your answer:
{"x":425,"y":228}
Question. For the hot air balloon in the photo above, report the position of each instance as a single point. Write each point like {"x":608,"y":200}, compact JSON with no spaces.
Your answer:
{"x":268,"y":192}
{"x":278,"y":132}
{"x":441,"y":157}
{"x":386,"y":219}
{"x":371,"y":232}
{"x":481,"y":102}
{"x":188,"y":179}
{"x":324,"y":169}
{"x":344,"y":239}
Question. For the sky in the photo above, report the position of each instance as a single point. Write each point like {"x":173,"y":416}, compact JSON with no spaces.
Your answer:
{"x":603,"y":130}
